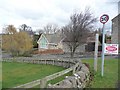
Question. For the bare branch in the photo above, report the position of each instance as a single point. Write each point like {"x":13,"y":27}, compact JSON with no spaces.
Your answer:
{"x":78,"y":29}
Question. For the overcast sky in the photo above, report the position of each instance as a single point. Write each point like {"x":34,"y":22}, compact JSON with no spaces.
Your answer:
{"x":38,"y":13}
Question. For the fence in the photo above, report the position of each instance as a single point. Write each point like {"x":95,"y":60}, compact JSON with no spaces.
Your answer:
{"x":42,"y":82}
{"x":70,"y":64}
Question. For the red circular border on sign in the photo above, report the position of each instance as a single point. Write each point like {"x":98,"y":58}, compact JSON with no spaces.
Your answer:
{"x":102,"y":16}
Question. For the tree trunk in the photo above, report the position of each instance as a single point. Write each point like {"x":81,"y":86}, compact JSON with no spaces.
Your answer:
{"x":72,"y":54}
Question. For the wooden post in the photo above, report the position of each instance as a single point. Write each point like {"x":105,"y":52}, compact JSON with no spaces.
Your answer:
{"x":68,"y":63}
{"x":96,"y":52}
{"x":62,"y":62}
{"x":45,"y":61}
{"x":74,"y":68}
{"x":43,"y":83}
{"x":53,"y":62}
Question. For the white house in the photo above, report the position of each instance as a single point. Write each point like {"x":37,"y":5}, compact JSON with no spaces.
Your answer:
{"x":49,"y":41}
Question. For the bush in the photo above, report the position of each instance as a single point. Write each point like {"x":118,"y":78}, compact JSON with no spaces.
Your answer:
{"x":17,"y":44}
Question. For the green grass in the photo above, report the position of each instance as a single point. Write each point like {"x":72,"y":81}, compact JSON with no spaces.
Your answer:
{"x":110,"y":78}
{"x":15,"y":74}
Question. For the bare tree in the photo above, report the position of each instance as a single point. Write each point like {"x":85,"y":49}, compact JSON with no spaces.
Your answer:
{"x":9,"y":29}
{"x":50,"y":28}
{"x":24,"y":27}
{"x":27,"y":29}
{"x":77,"y":31}
{"x":40,"y":31}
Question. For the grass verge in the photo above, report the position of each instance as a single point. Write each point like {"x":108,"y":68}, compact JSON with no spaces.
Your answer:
{"x":110,"y":78}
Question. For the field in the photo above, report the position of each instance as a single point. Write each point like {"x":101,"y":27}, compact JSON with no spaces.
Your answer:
{"x":110,"y":78}
{"x":15,"y":74}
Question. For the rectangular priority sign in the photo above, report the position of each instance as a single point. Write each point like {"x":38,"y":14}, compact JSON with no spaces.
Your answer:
{"x":111,"y":49}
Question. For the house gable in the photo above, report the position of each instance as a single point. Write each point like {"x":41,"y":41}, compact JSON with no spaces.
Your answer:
{"x":49,"y":41}
{"x":43,"y":42}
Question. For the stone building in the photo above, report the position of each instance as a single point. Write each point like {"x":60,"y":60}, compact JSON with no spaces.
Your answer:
{"x":116,"y":30}
{"x":49,"y":41}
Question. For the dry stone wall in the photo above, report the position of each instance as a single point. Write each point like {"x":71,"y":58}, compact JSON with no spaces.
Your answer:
{"x":78,"y":80}
{"x":66,"y":63}
{"x":80,"y":76}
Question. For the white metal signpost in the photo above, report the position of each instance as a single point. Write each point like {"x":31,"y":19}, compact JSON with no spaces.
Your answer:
{"x":103,"y":19}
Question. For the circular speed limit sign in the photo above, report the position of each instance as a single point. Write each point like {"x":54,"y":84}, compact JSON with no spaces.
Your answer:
{"x":104,"y":18}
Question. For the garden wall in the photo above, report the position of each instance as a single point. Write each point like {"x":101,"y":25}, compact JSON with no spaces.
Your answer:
{"x":58,"y":62}
{"x":79,"y":79}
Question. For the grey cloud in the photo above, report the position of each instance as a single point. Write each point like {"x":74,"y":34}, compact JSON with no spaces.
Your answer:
{"x":58,"y":12}
{"x":65,"y":7}
{"x":29,"y":14}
